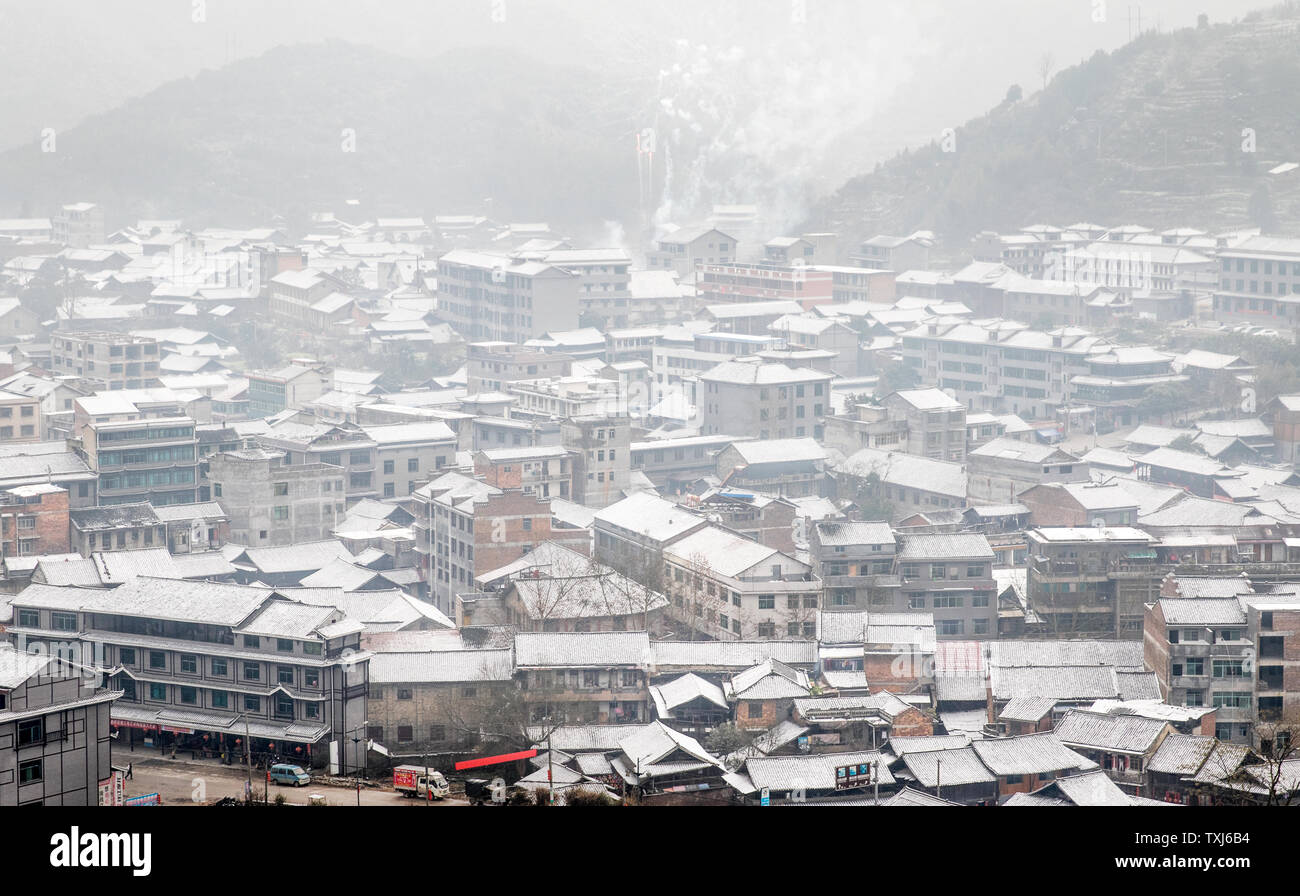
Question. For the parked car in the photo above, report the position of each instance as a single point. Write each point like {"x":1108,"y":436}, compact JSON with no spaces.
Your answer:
{"x":283,"y":773}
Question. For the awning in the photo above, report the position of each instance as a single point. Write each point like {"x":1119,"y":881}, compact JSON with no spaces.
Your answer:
{"x":1141,"y":555}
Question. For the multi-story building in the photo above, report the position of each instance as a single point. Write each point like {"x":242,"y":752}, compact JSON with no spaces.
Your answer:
{"x":853,"y":284}
{"x":121,"y":527}
{"x":49,"y":463}
{"x":55,"y":731}
{"x":407,"y":455}
{"x":998,"y":471}
{"x":294,"y":386}
{"x":1259,"y":282}
{"x":670,"y":462}
{"x":226,"y":661}
{"x":729,"y":587}
{"x":491,"y":366}
{"x":344,"y":445}
{"x":544,"y":471}
{"x":682,"y":250}
{"x":603,"y":278}
{"x":1001,"y":366}
{"x":1117,"y":380}
{"x":855,"y":561}
{"x":33,"y":520}
{"x":935,"y":423}
{"x":20,"y":418}
{"x":271,"y":502}
{"x":895,"y":253}
{"x":772,"y":399}
{"x":464,"y":526}
{"x":738,"y":283}
{"x":597,"y":678}
{"x":1091,"y":581}
{"x":79,"y":225}
{"x":805,"y":332}
{"x":107,"y":361}
{"x":791,"y":468}
{"x":500,"y":297}
{"x":656,"y":297}
{"x":138,"y":459}
{"x":601,"y":453}
{"x":951,"y":576}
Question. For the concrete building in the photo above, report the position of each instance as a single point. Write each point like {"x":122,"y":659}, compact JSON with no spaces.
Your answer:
{"x":55,"y":731}
{"x":294,"y":386}
{"x":682,"y":250}
{"x":464,"y":526}
{"x":895,"y":253}
{"x":601,"y":453}
{"x":345,"y":445}
{"x":951,"y":576}
{"x":998,"y":471}
{"x":544,"y":471}
{"x":935,"y":423}
{"x":777,"y":401}
{"x":198,"y":658}
{"x":500,"y":297}
{"x":1091,"y":581}
{"x":1002,"y":366}
{"x":152,"y":459}
{"x":740,"y":283}
{"x":79,"y":225}
{"x":1259,"y":282}
{"x":106,"y":361}
{"x":855,"y":561}
{"x":491,"y":366}
{"x":791,"y":468}
{"x":20,"y":418}
{"x":407,"y":455}
{"x":271,"y":502}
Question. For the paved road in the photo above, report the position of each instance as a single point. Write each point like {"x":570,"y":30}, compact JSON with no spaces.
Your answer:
{"x":186,"y":782}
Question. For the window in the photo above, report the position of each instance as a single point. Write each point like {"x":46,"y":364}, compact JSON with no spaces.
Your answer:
{"x":31,"y":731}
{"x":189,"y":664}
{"x":157,"y":659}
{"x":252,"y":641}
{"x":283,"y":706}
{"x":284,"y":674}
{"x":157,"y":692}
{"x":252,"y":672}
{"x":390,"y":467}
{"x":63,"y":622}
{"x":311,"y":678}
{"x":754,"y":709}
{"x":950,"y":626}
{"x":189,"y":695}
{"x":252,"y":703}
{"x":403,"y":693}
{"x":280,"y":489}
{"x":767,"y":601}
{"x":284,"y":645}
{"x":405,"y":734}
{"x":311,"y":648}
{"x":30,"y":771}
{"x":767,"y":629}
{"x":938,"y":571}
{"x":219,"y":667}
{"x":126,"y":656}
{"x":280,"y":513}
{"x":220,"y":700}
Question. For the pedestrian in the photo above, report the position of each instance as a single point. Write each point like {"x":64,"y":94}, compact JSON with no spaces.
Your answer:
{"x":130,"y":772}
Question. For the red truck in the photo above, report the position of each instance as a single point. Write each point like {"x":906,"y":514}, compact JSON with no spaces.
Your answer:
{"x":416,"y":780}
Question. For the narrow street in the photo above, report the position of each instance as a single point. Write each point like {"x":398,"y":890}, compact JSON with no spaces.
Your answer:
{"x":186,"y":782}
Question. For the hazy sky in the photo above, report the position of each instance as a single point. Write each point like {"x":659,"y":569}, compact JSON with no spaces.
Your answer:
{"x":817,"y":90}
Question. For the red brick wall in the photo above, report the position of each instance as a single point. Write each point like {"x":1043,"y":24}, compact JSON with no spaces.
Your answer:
{"x":51,"y":529}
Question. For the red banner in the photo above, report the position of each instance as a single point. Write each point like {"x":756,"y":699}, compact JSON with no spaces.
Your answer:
{"x":495,"y":760}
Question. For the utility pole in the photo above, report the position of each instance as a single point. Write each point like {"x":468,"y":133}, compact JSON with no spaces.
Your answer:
{"x":550,"y":766}
{"x":248,"y":758}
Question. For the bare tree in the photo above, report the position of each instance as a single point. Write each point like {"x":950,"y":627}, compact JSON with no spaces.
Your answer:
{"x":1045,"y":65}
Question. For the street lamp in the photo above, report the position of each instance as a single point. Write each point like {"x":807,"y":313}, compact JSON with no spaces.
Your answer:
{"x":355,"y":741}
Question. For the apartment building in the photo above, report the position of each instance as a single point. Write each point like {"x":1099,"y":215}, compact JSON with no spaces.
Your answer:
{"x":293,"y":386}
{"x":407,"y":455}
{"x":20,"y":418}
{"x":491,"y":366}
{"x":935,"y":423}
{"x":1002,"y":366}
{"x":1259,"y":282}
{"x":272,"y":502}
{"x":998,"y":471}
{"x":345,"y":445}
{"x":544,"y":471}
{"x":740,"y":283}
{"x":1091,"y":581}
{"x":855,"y":561}
{"x":226,"y":661}
{"x":811,"y":333}
{"x":895,"y":253}
{"x":771,"y":399}
{"x":464,"y":526}
{"x":499,"y":297}
{"x":1117,"y":379}
{"x":33,"y":520}
{"x":603,"y":280}
{"x":596,"y":678}
{"x":951,"y":576}
{"x":790,"y":468}
{"x":682,"y":250}
{"x":854,"y":284}
{"x":670,"y":462}
{"x":79,"y":225}
{"x":55,"y":731}
{"x":107,"y":361}
{"x":49,"y":463}
{"x":729,"y":587}
{"x":152,"y":459}
{"x":601,"y":453}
